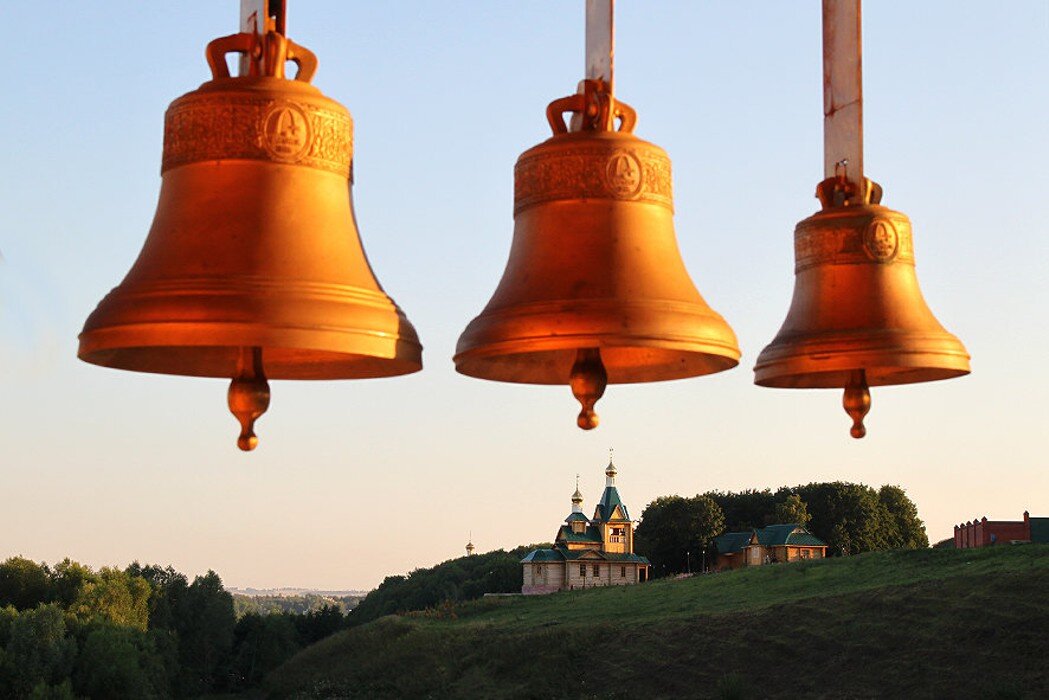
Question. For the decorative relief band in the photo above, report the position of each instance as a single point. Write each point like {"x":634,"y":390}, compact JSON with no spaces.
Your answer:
{"x":878,"y":239}
{"x":256,"y":128}
{"x":633,"y":174}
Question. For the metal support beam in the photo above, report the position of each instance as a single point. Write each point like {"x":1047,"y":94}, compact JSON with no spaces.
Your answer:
{"x":842,"y":91}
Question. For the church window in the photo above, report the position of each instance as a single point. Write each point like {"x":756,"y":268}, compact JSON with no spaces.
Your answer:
{"x":597,"y":569}
{"x":582,"y":570}
{"x":622,"y":572}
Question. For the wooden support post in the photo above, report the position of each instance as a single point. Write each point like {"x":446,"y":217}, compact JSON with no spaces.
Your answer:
{"x":600,"y":40}
{"x":599,"y":50}
{"x":842,"y":91}
{"x":257,"y":17}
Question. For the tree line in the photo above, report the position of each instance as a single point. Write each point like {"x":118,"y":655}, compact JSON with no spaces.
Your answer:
{"x":456,"y":580}
{"x":67,"y":631}
{"x":851,"y":518}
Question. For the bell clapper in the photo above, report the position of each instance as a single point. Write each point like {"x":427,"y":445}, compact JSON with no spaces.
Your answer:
{"x":248,"y":396}
{"x":588,"y":381}
{"x":857,"y":402}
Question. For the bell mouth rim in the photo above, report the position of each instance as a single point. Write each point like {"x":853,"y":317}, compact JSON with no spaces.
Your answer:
{"x":213,"y":349}
{"x":883,"y":367}
{"x":876,"y":376}
{"x":549,"y":361}
{"x":279,"y":361}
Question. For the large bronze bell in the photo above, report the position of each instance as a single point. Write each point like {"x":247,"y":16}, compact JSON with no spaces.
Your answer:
{"x":253,"y":268}
{"x":858,"y":318}
{"x":595,"y":291}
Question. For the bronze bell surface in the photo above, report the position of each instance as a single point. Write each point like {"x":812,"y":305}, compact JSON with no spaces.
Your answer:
{"x":253,"y":268}
{"x":857,"y":318}
{"x":595,"y":291}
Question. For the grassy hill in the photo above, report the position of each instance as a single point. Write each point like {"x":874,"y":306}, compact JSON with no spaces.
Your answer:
{"x":928,"y":623}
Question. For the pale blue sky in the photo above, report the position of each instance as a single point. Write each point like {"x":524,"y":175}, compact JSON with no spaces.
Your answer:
{"x":356,"y":480}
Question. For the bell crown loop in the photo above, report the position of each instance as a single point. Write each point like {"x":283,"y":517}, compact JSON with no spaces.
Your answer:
{"x":839,"y":192}
{"x":267,"y":56}
{"x":597,"y":108}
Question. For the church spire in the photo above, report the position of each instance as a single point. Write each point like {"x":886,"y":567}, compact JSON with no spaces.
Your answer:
{"x":610,"y":500}
{"x":610,"y":471}
{"x":577,"y":498}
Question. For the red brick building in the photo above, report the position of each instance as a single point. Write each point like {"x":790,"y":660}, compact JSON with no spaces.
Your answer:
{"x":984,"y":532}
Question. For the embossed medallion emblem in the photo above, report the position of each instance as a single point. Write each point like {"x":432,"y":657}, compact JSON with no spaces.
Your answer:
{"x":623,"y":174}
{"x":285,"y":132}
{"x":880,"y":240}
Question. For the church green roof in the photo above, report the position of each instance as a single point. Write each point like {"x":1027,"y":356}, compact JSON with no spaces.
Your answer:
{"x":538,"y":555}
{"x":609,"y":500}
{"x":790,"y":534}
{"x":732,"y":542}
{"x":575,"y":516}
{"x":805,"y":539}
{"x":591,"y":534}
{"x":558,"y":553}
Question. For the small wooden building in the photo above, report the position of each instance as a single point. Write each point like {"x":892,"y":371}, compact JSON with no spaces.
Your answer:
{"x":769,"y":545}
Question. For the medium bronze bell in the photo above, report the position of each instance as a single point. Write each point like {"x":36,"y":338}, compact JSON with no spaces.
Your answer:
{"x":858,"y":318}
{"x":253,"y":268}
{"x":595,"y":291}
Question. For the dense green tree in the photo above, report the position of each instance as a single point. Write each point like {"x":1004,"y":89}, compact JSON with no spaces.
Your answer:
{"x":147,"y":632}
{"x":8,"y":614}
{"x":746,"y":509}
{"x":315,"y":625}
{"x":37,"y":653}
{"x":167,"y":591}
{"x":791,"y":510}
{"x":118,"y":662}
{"x":908,"y":529}
{"x":261,"y":644}
{"x":204,"y":624}
{"x":674,"y":531}
{"x":46,"y":691}
{"x":464,"y":578}
{"x":114,"y":597}
{"x":848,"y":517}
{"x":23,"y":583}
{"x":68,"y":579}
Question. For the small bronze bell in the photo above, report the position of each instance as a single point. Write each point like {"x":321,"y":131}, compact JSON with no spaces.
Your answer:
{"x":595,"y":291}
{"x":858,"y":318}
{"x":254,"y":268}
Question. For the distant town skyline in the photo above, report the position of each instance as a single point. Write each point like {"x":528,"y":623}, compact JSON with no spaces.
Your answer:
{"x":356,"y":481}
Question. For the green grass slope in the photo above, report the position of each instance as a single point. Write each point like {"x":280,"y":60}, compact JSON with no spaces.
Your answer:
{"x":917,"y":624}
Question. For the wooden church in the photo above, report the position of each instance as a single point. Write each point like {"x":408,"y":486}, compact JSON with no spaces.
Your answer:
{"x":598,"y":551}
